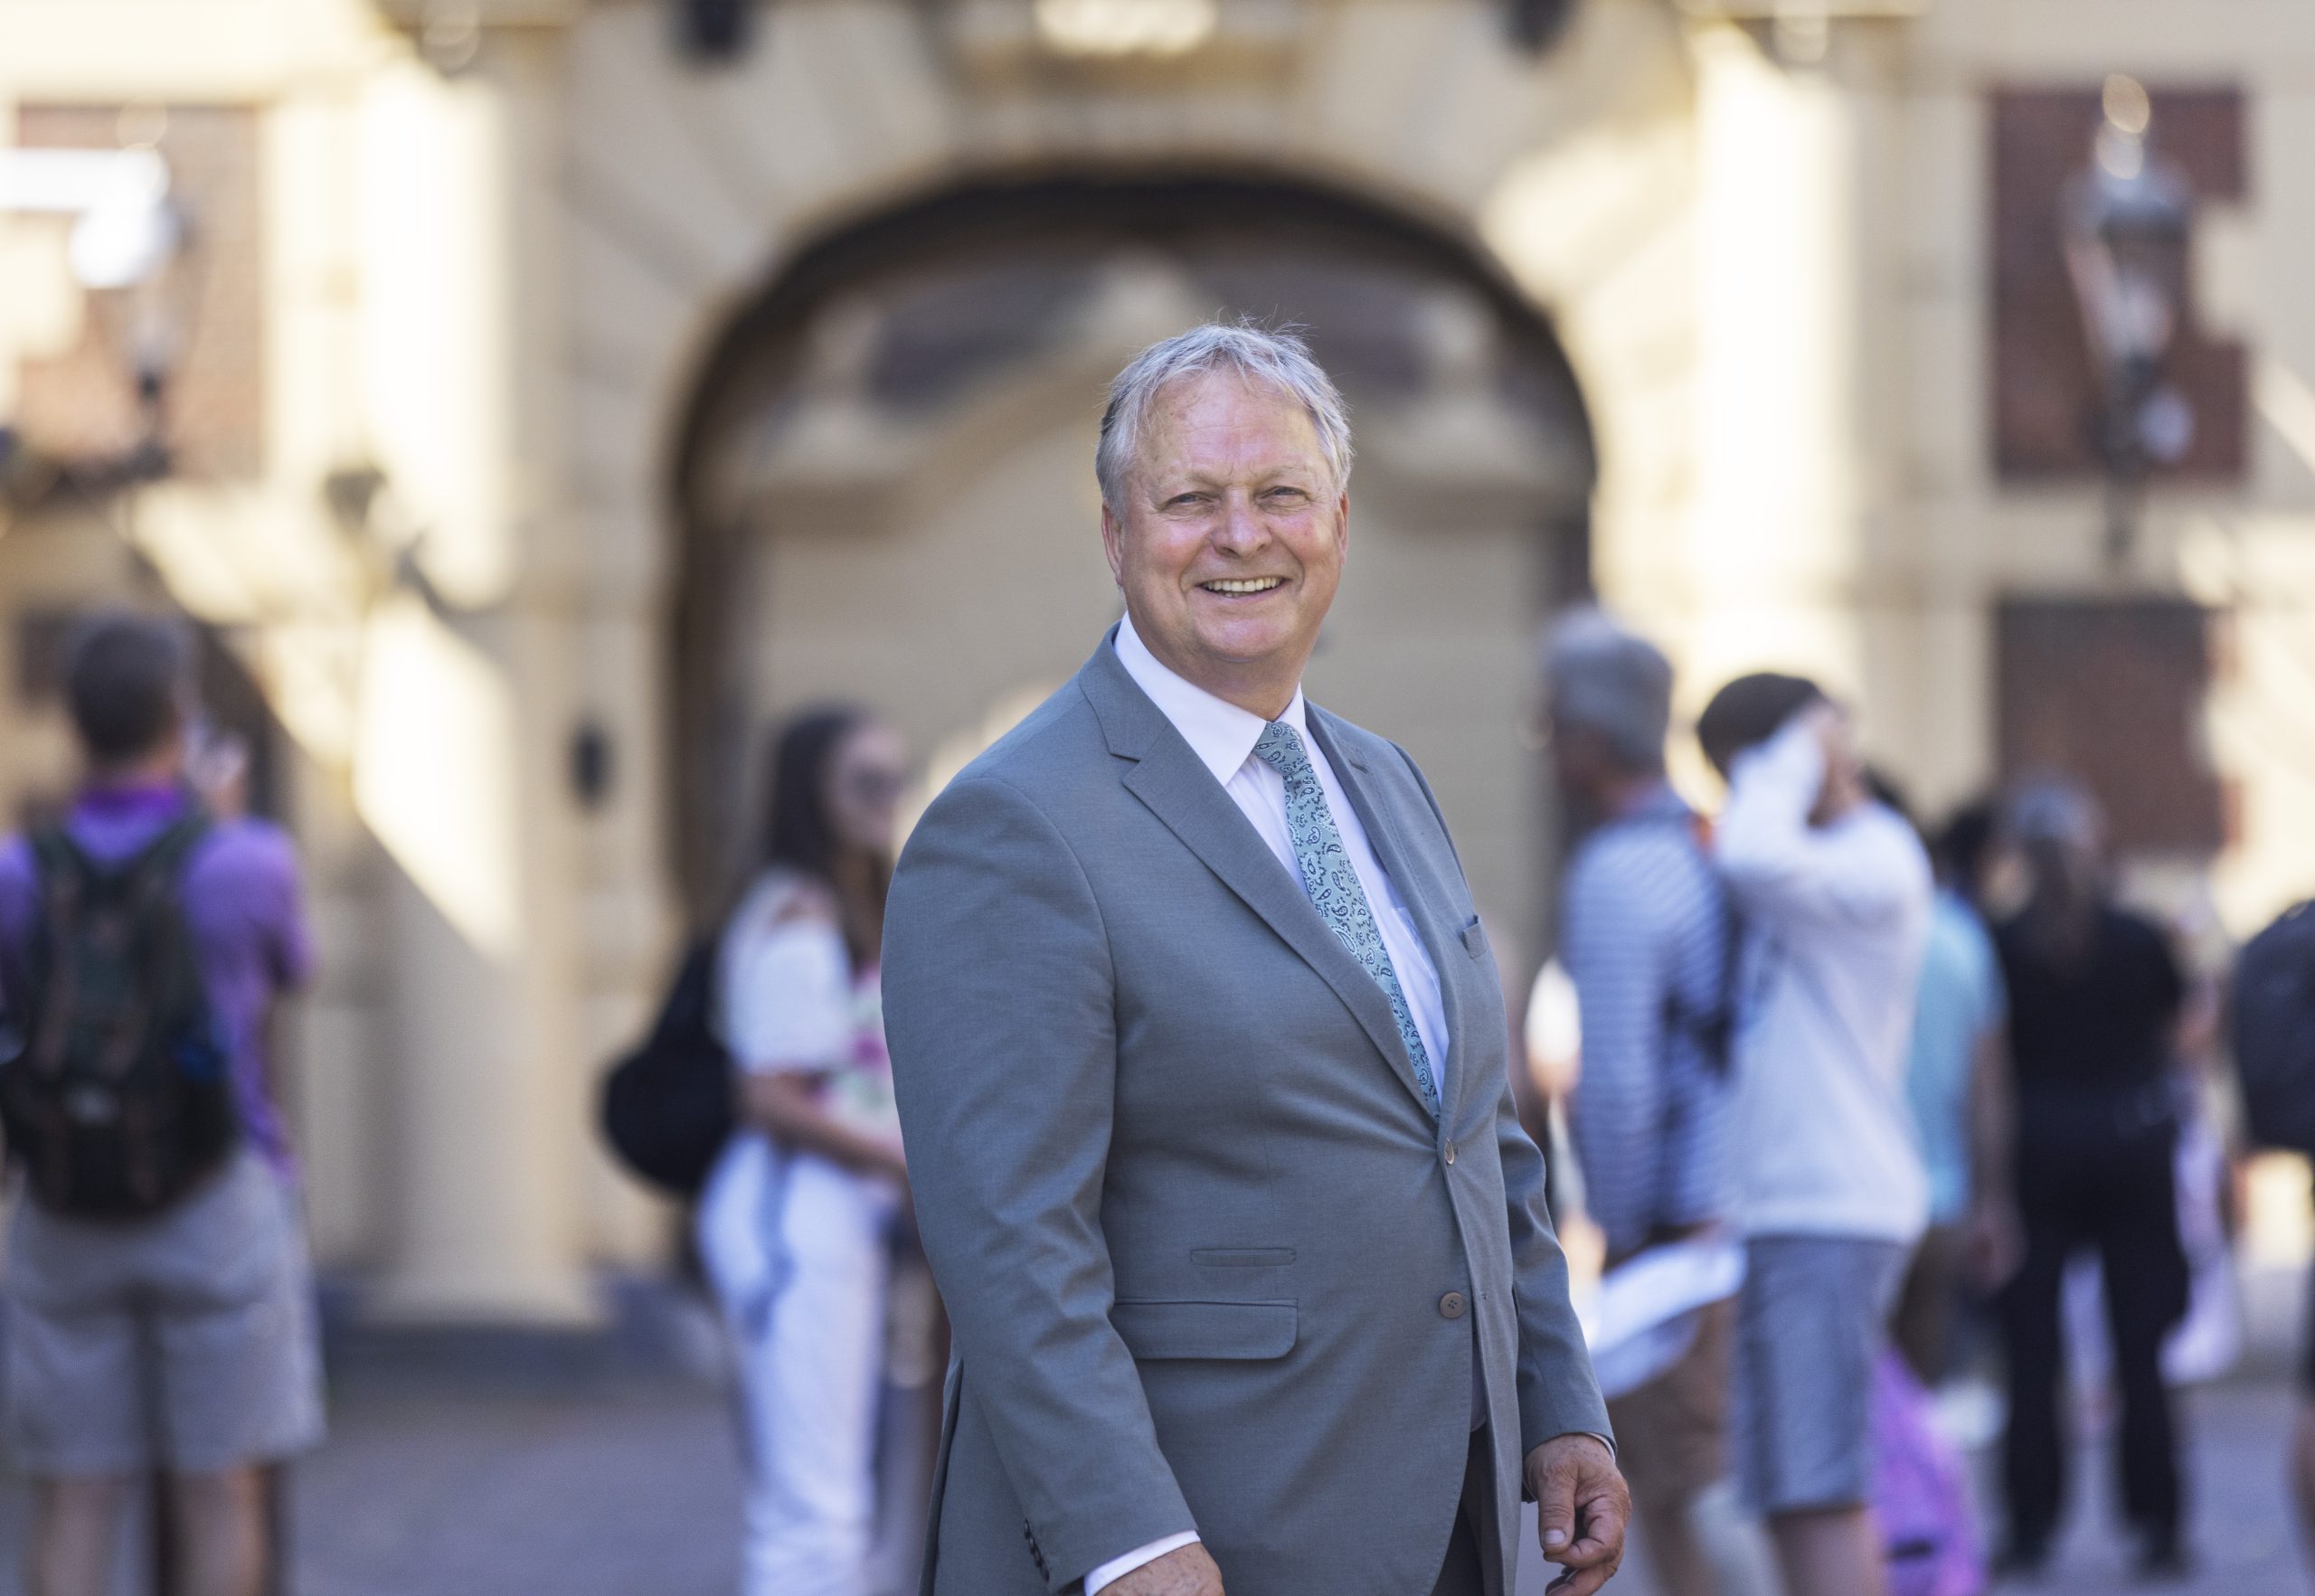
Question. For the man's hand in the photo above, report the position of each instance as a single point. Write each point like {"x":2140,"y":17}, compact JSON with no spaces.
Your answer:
{"x":1845,"y":786}
{"x":1185,"y":1571}
{"x":1582,"y":1510}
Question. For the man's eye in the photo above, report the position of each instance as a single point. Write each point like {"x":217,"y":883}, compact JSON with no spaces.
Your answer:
{"x":1183,"y":501}
{"x":1283,"y":495}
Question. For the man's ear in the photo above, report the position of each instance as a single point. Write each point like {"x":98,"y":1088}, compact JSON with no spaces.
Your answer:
{"x":1113,"y":545}
{"x":1342,"y":521}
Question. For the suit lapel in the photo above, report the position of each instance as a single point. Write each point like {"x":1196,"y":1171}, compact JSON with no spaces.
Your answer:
{"x":1430,"y":905}
{"x":1167,"y":778}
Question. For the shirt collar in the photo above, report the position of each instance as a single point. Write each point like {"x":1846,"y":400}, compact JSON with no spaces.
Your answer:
{"x":1218,"y":732}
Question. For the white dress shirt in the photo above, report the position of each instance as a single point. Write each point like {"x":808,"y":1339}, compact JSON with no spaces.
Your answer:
{"x":1222,"y":736}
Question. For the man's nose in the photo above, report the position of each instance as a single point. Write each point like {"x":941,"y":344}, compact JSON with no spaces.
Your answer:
{"x":1242,"y":529}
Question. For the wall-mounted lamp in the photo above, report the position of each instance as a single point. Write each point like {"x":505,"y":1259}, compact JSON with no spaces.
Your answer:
{"x":712,"y":29}
{"x":592,"y":769}
{"x":2127,"y":222}
{"x":1535,"y":24}
{"x":127,"y":233}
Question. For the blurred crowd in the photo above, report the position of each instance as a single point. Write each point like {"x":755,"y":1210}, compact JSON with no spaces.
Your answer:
{"x":1858,"y":1116}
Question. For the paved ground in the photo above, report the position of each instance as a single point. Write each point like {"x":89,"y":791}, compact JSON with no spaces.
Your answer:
{"x":480,"y":1470}
{"x":576,"y":1469}
{"x":2243,"y":1536}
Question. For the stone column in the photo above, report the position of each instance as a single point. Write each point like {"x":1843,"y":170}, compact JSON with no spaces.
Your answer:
{"x":1784,"y":436}
{"x":464,"y":709}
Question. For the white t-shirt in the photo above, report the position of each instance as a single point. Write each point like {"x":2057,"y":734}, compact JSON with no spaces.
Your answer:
{"x":788,"y":1000}
{"x":1835,"y":921}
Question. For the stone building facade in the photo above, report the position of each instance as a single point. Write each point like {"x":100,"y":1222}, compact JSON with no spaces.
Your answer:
{"x":556,"y":392}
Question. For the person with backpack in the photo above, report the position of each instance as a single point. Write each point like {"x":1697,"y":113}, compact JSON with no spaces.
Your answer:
{"x":157,"y":1294}
{"x":1834,"y":892}
{"x":798,"y":1216}
{"x":1645,"y":936}
{"x":2095,"y":997}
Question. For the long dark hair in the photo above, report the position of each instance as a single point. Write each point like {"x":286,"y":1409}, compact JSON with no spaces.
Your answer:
{"x":799,"y":835}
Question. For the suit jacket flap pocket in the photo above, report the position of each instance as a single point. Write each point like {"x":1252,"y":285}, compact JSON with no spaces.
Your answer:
{"x":1206,"y":1329}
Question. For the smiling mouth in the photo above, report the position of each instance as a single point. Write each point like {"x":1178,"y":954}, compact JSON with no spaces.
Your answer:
{"x":1239,"y":586}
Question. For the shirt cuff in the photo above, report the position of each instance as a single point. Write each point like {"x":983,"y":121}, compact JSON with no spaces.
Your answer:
{"x":1116,"y":1568}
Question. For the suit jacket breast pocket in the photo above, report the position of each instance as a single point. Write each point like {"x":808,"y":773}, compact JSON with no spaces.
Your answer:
{"x":1474,"y":939}
{"x":1239,"y":1330}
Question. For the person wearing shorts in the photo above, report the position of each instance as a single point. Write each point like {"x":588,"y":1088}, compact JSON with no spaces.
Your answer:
{"x":1809,"y":1326}
{"x":1833,"y":891}
{"x":1644,"y":930}
{"x":184,"y":1342}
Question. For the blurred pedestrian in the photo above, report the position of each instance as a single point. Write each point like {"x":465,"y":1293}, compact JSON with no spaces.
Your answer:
{"x":1957,"y":1081}
{"x":159,"y":1301}
{"x":2273,"y":1039}
{"x":1645,"y":935}
{"x":1833,"y":890}
{"x":797,"y":1220}
{"x":2095,"y":995}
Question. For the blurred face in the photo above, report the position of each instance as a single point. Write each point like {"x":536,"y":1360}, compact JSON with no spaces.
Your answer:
{"x":1579,"y":762}
{"x":1230,"y":544}
{"x":864,"y":781}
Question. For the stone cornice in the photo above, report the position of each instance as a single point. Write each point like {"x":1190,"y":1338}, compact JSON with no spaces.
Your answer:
{"x":413,"y":15}
{"x":1789,"y":10}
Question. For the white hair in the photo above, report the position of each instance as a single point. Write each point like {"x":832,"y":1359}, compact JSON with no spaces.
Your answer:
{"x":1610,"y":681}
{"x":1276,"y":357}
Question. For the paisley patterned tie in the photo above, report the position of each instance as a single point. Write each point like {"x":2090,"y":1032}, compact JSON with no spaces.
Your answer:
{"x":1332,"y":881}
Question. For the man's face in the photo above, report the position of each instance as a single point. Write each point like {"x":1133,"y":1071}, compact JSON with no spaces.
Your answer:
{"x":1230,"y":544}
{"x":1579,"y":761}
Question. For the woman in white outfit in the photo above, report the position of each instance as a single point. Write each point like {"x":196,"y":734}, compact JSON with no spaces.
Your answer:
{"x":796,"y":1221}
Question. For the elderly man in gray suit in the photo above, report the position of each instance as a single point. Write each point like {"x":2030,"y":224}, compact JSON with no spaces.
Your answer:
{"x":1201,"y":1056}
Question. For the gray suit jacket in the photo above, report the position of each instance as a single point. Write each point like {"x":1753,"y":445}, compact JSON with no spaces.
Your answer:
{"x":1209,"y":1261}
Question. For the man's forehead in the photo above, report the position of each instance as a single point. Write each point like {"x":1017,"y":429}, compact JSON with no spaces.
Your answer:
{"x":1206,"y":390}
{"x":1211,"y":415}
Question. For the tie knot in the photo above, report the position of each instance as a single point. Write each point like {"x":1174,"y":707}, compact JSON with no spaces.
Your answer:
{"x":1281,"y":747}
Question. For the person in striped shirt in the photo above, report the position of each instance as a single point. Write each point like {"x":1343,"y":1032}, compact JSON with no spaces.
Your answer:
{"x":1644,"y":932}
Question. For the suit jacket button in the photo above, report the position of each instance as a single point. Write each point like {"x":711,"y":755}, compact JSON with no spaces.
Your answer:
{"x":1451,"y":1306}
{"x":1451,"y":1152}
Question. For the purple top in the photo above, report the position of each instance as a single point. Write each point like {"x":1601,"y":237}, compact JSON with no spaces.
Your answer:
{"x":241,"y":902}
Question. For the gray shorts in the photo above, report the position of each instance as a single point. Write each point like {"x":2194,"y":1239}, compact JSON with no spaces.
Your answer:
{"x":186,"y":1341}
{"x":1813,"y":1318}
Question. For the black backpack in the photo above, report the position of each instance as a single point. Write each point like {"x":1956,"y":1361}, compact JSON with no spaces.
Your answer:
{"x":666,"y":1107}
{"x":2274,"y":1031}
{"x":116,"y":1089}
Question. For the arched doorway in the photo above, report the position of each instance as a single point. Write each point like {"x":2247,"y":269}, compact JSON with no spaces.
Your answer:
{"x":885,"y":490}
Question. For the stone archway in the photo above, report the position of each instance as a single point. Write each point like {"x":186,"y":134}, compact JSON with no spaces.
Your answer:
{"x":658,"y":200}
{"x":885,"y":487}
